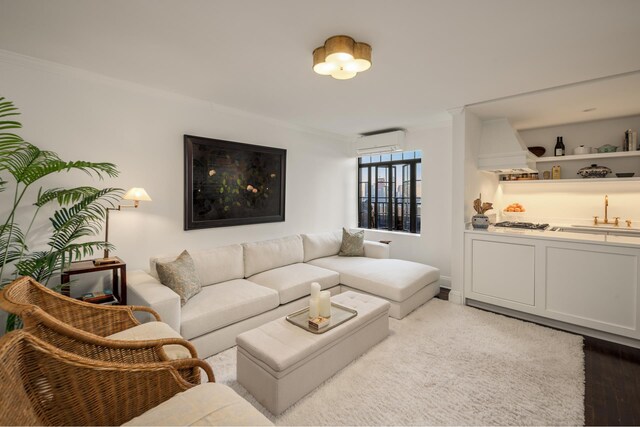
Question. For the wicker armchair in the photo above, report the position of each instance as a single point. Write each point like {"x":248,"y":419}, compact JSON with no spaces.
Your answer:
{"x":43,"y":385}
{"x":93,"y":318}
{"x":58,"y":320}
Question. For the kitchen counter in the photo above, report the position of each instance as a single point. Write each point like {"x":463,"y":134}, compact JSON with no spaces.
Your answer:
{"x":588,"y":282}
{"x":600,"y":239}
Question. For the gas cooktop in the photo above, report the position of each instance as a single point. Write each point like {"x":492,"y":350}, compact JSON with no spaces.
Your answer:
{"x":523,"y":225}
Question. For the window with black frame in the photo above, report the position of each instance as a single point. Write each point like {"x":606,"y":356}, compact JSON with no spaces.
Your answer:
{"x":390,"y":191}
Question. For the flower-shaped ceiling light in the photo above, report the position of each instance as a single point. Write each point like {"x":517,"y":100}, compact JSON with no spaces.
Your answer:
{"x":342,"y":58}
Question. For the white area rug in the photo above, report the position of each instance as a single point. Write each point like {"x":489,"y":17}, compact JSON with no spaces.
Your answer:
{"x":446,"y":364}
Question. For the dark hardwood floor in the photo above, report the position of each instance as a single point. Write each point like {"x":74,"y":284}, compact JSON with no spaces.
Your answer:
{"x":612,"y":381}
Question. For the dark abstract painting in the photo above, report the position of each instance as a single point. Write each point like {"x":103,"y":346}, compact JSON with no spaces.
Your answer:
{"x":229,"y":183}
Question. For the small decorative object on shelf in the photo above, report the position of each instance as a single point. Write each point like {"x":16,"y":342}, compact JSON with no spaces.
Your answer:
{"x":607,"y":148}
{"x":555,"y":172}
{"x":559,"y":150}
{"x":480,"y":220}
{"x":99,"y":297}
{"x":594,"y":171}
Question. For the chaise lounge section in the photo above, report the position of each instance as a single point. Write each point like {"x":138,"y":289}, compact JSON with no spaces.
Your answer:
{"x":245,"y":286}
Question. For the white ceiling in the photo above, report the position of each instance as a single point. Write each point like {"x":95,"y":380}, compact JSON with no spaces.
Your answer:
{"x":255,"y":55}
{"x":616,"y":96}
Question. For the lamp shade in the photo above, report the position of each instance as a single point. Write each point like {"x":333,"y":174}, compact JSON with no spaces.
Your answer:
{"x":137,"y":194}
{"x":319,"y":65}
{"x":362,"y":57}
{"x":339,"y":49}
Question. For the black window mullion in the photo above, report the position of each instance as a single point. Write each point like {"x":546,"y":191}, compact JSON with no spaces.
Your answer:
{"x":412,"y":202}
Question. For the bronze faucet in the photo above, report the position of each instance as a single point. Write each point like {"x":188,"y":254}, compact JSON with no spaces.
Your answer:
{"x":606,"y":207}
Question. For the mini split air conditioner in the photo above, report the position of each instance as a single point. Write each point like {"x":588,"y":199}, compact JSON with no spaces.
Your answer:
{"x":380,"y":143}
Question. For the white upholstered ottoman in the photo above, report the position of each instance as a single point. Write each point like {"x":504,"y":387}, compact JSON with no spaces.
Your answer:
{"x":279,"y":363}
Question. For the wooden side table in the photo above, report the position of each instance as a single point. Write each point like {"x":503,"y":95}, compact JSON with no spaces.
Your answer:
{"x":118,"y":274}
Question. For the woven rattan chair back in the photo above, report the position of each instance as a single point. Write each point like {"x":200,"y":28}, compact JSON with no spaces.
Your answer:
{"x":43,"y":385}
{"x":80,"y":337}
{"x":25,"y":292}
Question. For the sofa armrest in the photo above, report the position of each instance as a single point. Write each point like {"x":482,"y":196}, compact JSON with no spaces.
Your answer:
{"x":375,"y":249}
{"x":144,"y":289}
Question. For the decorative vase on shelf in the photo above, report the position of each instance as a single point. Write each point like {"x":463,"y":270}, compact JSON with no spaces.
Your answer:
{"x":480,"y":220}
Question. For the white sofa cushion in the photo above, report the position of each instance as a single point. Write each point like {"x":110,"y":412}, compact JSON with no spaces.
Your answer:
{"x":394,"y":279}
{"x":152,"y":331}
{"x":320,"y":245}
{"x":269,"y":254}
{"x":224,"y":304}
{"x":342,"y":263}
{"x":292,"y":281}
{"x":212,"y":265}
{"x":210,"y":404}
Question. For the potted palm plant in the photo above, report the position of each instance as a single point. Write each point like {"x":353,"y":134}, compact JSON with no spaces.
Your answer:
{"x":78,"y":211}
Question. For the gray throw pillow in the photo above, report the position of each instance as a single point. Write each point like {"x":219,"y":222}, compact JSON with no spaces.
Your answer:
{"x":181,"y":276}
{"x":352,"y":243}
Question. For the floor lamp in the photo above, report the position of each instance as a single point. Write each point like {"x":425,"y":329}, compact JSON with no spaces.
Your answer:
{"x":137,"y":195}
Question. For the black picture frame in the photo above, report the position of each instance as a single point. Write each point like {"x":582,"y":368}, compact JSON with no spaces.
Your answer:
{"x":229,"y":183}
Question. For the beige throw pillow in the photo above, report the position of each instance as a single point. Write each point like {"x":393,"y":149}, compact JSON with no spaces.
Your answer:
{"x":181,"y":276}
{"x":352,"y":243}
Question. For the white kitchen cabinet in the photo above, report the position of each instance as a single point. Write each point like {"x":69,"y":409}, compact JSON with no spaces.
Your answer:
{"x":595,"y":286}
{"x":514,"y":264}
{"x":592,"y":287}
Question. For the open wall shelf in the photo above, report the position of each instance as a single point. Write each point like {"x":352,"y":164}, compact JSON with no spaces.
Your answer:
{"x":567,"y":181}
{"x":593,"y":156}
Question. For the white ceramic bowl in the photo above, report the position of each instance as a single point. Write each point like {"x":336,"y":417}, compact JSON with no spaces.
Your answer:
{"x":582,"y":150}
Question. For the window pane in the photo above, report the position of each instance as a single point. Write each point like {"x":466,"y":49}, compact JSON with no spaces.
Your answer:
{"x":364,"y":174}
{"x":385,"y":158}
{"x":418,"y":154}
{"x":396,"y":156}
{"x":408,"y":155}
{"x":419,"y":171}
{"x":364,"y":189}
{"x":375,"y":159}
{"x":365,"y":159}
{"x":363,"y":219}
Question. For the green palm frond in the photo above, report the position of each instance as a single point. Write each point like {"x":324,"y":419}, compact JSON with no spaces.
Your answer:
{"x":84,"y":218}
{"x":64,"y":196}
{"x":27,"y":163}
{"x":12,"y":242}
{"x":40,"y":265}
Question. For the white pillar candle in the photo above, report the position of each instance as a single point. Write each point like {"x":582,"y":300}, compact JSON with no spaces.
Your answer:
{"x":325,"y":304}
{"x":315,"y":290}
{"x":314,"y":307}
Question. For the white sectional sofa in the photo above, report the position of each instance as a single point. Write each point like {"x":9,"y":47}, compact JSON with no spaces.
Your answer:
{"x":245,"y":286}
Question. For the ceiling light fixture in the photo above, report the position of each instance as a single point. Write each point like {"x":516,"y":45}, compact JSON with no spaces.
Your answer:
{"x":341,"y":57}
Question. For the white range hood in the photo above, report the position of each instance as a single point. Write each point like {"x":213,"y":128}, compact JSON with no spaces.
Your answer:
{"x":502,"y":150}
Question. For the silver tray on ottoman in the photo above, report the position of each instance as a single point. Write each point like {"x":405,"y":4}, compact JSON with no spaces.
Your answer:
{"x":339,"y":315}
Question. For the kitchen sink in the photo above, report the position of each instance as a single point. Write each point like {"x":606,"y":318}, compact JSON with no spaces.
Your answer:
{"x":608,"y":230}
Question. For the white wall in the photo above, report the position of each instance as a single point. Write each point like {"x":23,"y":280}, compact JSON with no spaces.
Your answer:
{"x":84,"y":116}
{"x":433,"y":245}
